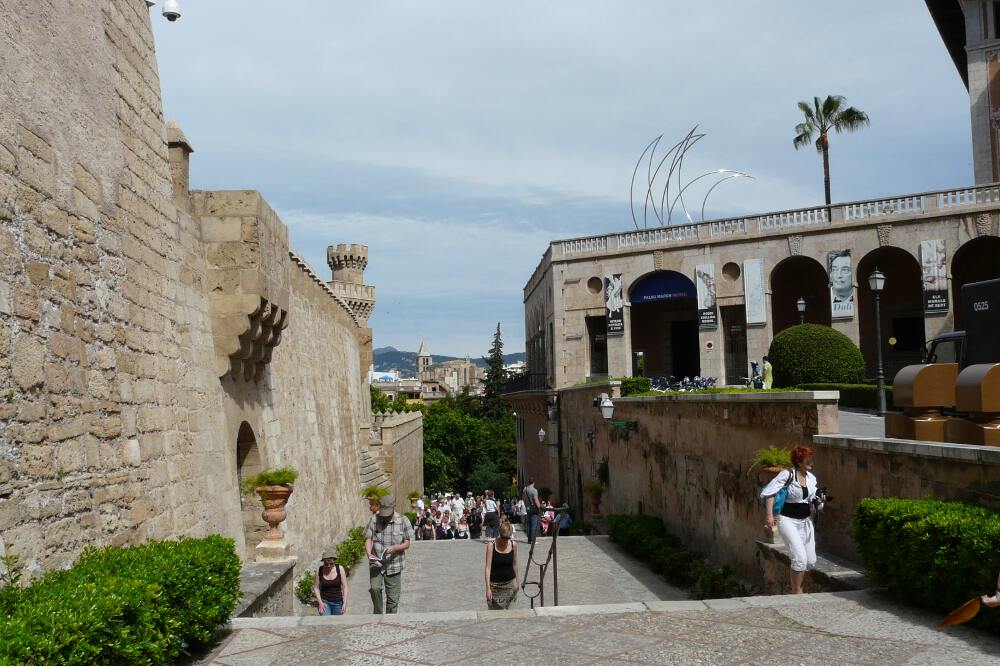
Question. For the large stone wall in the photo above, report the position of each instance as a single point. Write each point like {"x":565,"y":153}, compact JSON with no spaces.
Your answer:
{"x":118,"y":422}
{"x":688,"y":462}
{"x":399,"y":447}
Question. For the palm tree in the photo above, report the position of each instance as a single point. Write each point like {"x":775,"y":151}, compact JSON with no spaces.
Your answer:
{"x":830,"y":114}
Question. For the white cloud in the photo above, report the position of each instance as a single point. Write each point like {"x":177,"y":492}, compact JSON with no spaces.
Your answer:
{"x":456,"y":138}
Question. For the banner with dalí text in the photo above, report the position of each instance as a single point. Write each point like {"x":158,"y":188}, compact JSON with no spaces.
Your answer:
{"x":840,"y":270}
{"x":753,"y":291}
{"x":615,"y":304}
{"x":705,"y":282}
{"x":934,"y":274}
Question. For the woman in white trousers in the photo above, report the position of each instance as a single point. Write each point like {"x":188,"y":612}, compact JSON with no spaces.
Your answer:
{"x":795,"y":519}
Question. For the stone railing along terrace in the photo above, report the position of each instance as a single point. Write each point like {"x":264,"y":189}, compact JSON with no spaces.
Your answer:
{"x":874,"y":210}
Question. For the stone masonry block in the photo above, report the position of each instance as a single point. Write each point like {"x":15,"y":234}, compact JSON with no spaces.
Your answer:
{"x":87,"y":184}
{"x":28,"y":362}
{"x":34,"y":144}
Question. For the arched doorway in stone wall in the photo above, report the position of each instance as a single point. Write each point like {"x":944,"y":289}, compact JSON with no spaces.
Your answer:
{"x":902,"y":309}
{"x":794,"y":278}
{"x":248,"y":462}
{"x":978,"y":259}
{"x":665,"y":324}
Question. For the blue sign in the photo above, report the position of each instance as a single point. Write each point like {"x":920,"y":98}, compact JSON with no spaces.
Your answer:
{"x":662,"y":286}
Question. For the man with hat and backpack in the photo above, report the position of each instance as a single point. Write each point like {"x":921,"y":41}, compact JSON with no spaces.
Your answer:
{"x":387,"y":537}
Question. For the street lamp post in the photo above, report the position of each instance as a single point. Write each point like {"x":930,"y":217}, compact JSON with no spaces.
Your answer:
{"x":801,"y":305}
{"x":876,"y":281}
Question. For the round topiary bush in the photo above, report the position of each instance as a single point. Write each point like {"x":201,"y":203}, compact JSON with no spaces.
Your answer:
{"x":812,"y":353}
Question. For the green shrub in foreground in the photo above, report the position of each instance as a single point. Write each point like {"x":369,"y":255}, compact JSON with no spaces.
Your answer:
{"x":811,"y":353}
{"x":932,"y":553}
{"x":149,"y":604}
{"x":646,"y":538}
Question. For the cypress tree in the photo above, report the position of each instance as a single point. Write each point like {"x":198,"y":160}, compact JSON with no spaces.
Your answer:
{"x":494,"y":407}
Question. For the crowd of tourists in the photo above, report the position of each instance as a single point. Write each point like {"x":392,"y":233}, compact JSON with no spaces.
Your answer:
{"x":448,"y":516}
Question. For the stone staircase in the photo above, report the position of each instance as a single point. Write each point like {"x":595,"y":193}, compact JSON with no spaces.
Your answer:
{"x":371,"y":471}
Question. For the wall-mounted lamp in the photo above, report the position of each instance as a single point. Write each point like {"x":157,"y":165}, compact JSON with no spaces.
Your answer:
{"x":541,"y":435}
{"x":800,"y":305}
{"x":608,"y":411}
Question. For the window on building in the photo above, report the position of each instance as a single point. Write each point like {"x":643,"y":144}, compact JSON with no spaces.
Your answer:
{"x":996,"y":19}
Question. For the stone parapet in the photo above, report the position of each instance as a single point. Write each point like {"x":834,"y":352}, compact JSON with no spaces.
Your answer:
{"x":268,"y":589}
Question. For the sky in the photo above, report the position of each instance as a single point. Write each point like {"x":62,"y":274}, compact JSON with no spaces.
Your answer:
{"x":456,"y":139}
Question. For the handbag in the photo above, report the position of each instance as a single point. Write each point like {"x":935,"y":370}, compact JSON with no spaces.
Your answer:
{"x":782,"y":495}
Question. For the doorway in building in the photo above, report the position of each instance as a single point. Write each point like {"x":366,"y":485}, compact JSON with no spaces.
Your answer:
{"x":665,"y":324}
{"x":976,"y":260}
{"x":597,"y":335}
{"x":794,"y":278}
{"x":248,"y":463}
{"x":734,"y":328}
{"x":902,"y":310}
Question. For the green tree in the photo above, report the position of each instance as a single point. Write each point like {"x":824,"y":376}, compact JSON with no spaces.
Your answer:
{"x":486,"y":475}
{"x":380,"y":402}
{"x":440,"y":471}
{"x":494,"y":407}
{"x":822,"y":117}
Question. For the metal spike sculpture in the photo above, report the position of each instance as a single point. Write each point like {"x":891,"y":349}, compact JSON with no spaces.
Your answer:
{"x":676,"y":156}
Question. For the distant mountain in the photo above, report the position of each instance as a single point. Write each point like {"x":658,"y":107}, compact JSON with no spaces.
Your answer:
{"x":389,"y":358}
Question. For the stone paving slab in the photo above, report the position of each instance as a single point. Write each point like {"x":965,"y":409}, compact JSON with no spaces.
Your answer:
{"x":855,"y":628}
{"x":449,"y":575}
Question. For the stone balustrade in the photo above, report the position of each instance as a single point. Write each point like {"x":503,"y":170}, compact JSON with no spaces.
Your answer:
{"x":874,"y":210}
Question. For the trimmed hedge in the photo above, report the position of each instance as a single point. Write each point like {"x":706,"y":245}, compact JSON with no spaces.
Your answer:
{"x":154,"y":603}
{"x":855,"y":395}
{"x":646,"y":538}
{"x":812,"y":353}
{"x":633,"y":386}
{"x":932,"y":553}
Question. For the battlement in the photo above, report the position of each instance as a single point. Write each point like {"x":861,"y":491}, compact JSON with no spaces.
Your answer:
{"x":348,"y":261}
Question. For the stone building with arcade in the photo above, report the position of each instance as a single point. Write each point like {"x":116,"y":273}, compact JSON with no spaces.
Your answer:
{"x":704,"y":299}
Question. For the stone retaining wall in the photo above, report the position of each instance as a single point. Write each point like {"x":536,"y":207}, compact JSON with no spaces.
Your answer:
{"x":688,"y":462}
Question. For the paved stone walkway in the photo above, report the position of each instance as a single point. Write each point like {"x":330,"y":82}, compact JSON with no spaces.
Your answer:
{"x":861,"y":424}
{"x":825,"y":628}
{"x":449,"y":576}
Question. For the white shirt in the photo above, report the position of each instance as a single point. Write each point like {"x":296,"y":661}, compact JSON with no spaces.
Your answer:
{"x":420,"y":504}
{"x":521,"y":510}
{"x":491,"y":505}
{"x":794,"y":489}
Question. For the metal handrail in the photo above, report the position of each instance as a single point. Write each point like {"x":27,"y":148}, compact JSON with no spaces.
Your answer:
{"x":552,"y":556}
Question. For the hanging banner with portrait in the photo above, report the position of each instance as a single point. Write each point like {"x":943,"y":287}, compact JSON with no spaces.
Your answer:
{"x":839,"y":269}
{"x":934,"y":273}
{"x":753,"y":291}
{"x":705,"y":282}
{"x":615,"y":304}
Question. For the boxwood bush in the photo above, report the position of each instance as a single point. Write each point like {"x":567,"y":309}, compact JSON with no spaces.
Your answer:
{"x":633,"y":386}
{"x":811,"y":353}
{"x":863,"y":396}
{"x":154,"y":603}
{"x":646,"y":538}
{"x":931,"y":553}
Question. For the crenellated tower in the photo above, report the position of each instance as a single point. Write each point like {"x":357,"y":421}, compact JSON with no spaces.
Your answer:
{"x":348,"y":261}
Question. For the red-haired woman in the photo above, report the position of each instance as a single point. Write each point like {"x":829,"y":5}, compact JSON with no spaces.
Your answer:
{"x":795,"y":524}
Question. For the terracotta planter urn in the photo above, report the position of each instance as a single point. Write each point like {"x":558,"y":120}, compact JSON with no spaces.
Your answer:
{"x":274,"y":499}
{"x":595,"y":501}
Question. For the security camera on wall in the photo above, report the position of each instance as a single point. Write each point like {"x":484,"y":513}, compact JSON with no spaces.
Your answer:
{"x":171,"y":10}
